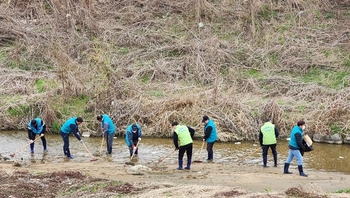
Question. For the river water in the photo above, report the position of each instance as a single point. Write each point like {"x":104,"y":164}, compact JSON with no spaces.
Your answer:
{"x":325,"y":157}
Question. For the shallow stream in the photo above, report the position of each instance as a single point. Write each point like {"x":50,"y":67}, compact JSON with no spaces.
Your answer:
{"x":325,"y":157}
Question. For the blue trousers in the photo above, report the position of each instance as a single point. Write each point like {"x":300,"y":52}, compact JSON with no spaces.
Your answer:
{"x":297,"y":155}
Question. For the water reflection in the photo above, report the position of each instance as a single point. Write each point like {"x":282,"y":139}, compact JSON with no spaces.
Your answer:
{"x":326,"y":157}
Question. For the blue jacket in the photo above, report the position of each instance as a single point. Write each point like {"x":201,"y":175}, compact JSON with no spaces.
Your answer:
{"x":39,"y":128}
{"x":293,"y":141}
{"x":129,"y":135}
{"x":70,"y":126}
{"x":210,"y":136}
{"x":107,"y":124}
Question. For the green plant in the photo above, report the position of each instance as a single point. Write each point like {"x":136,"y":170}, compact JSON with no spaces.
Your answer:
{"x":19,"y":110}
{"x":155,"y":93}
{"x":123,"y":50}
{"x":335,"y":128}
{"x":273,"y":58}
{"x":330,"y":15}
{"x":326,"y":53}
{"x":55,"y":127}
{"x":145,"y":78}
{"x":39,"y":86}
{"x":253,"y":73}
{"x":343,"y":191}
{"x":346,"y":61}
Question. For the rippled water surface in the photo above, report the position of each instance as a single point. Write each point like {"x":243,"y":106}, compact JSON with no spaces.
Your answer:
{"x":326,"y":157}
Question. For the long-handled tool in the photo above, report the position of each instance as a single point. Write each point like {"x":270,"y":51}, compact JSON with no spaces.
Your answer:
{"x":92,"y":158}
{"x":133,"y":153}
{"x":251,"y":154}
{"x":13,"y":154}
{"x":163,"y":158}
{"x":200,"y":154}
{"x":132,"y":156}
{"x":103,"y":138}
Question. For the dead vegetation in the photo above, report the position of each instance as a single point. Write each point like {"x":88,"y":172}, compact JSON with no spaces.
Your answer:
{"x":61,"y":184}
{"x":153,"y":62}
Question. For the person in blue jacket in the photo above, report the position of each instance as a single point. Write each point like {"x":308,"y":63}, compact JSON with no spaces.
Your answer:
{"x":108,"y":131}
{"x":36,"y":127}
{"x":210,"y":136}
{"x":132,"y":137}
{"x":70,"y":126}
{"x":295,"y":146}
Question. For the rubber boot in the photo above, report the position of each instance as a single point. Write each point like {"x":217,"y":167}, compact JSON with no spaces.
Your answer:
{"x":286,"y":167}
{"x":210,"y":156}
{"x":180,"y":165}
{"x":44,"y":145}
{"x":301,"y":172}
{"x":32,"y":147}
{"x":264,"y":161}
{"x":275,"y":160}
{"x":188,"y":167}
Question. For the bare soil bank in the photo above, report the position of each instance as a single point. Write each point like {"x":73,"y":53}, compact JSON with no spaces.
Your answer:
{"x":106,"y":179}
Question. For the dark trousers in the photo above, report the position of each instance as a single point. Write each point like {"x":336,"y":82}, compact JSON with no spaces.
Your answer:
{"x":65,"y":138}
{"x":265,"y":149}
{"x":186,"y":148}
{"x":109,"y":142}
{"x":33,"y":135}
{"x":210,"y":150}
{"x":132,"y":150}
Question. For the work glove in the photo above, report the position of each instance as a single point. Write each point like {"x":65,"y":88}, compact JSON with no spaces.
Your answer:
{"x":31,"y":141}
{"x":41,"y":135}
{"x":81,"y":141}
{"x":139,"y":139}
{"x":203,"y":139}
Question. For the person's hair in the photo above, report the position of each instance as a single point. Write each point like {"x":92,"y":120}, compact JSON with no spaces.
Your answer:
{"x":174,"y":123}
{"x":300,"y":123}
{"x":205,"y":118}
{"x":79,"y":119}
{"x":99,"y":117}
{"x":33,"y":122}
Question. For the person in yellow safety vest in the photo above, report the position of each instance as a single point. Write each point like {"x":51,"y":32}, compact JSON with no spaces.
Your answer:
{"x":268,"y":138}
{"x":184,"y":135}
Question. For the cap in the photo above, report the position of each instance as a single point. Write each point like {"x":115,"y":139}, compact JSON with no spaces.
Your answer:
{"x":79,"y":119}
{"x":205,"y":118}
{"x":134,"y":127}
{"x":33,"y":122}
{"x":174,"y":123}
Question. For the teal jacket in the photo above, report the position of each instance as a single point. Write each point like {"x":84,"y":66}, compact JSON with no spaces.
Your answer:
{"x":39,"y":128}
{"x":293,"y":141}
{"x":70,"y":126}
{"x":210,"y":136}
{"x":129,"y":135}
{"x":107,"y":124}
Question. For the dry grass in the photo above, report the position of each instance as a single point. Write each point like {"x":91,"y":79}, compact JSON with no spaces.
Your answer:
{"x":151,"y":62}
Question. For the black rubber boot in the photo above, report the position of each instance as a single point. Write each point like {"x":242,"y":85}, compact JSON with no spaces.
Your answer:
{"x":188,"y":167}
{"x":264,"y":160}
{"x":301,"y":172}
{"x":275,"y":160}
{"x":286,"y":167}
{"x":180,"y":165}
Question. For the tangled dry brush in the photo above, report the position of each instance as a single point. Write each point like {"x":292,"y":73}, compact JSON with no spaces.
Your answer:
{"x":153,"y":62}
